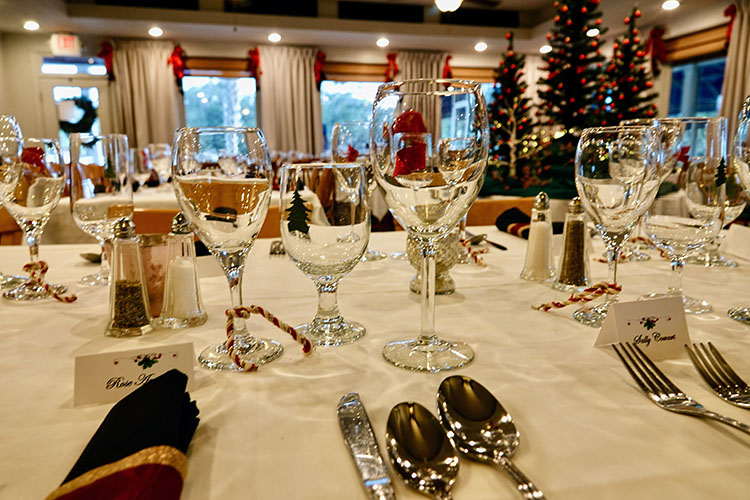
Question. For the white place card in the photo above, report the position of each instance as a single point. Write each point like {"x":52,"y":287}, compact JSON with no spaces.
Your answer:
{"x":737,"y":241}
{"x":657,"y":326}
{"x":110,"y":376}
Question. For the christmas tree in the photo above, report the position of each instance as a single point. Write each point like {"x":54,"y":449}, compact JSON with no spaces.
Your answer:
{"x":628,"y":79}
{"x":574,"y":98}
{"x":298,"y":215}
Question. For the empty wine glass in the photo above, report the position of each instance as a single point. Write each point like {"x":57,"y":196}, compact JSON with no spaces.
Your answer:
{"x":426,"y":196}
{"x":684,"y":222}
{"x":742,"y":163}
{"x":222,"y":179}
{"x":158,"y":158}
{"x":33,"y":182}
{"x":101,"y":191}
{"x":9,"y":128}
{"x":325,"y":227}
{"x":616,"y":170}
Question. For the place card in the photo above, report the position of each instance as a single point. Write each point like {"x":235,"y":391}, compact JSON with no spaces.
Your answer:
{"x":110,"y":376}
{"x":737,"y":241}
{"x":657,"y":326}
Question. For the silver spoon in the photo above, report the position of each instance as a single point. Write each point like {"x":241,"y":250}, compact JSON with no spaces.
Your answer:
{"x":421,"y":451}
{"x":482,"y":429}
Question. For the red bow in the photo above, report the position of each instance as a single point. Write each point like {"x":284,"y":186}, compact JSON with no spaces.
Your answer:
{"x":392,"y":69}
{"x":447,"y":70}
{"x":177,"y":60}
{"x":253,"y":65}
{"x":106,"y":54}
{"x":655,"y":45}
{"x":320,"y":59}
{"x":731,"y":13}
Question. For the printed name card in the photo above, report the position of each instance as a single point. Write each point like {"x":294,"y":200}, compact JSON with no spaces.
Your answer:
{"x":657,"y":326}
{"x":108,"y":377}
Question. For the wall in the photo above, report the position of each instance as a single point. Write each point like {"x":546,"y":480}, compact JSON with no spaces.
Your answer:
{"x":2,"y":83}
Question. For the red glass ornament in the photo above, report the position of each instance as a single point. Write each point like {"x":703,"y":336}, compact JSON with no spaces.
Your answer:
{"x":508,"y":35}
{"x":557,"y":19}
{"x":627,"y":20}
{"x":626,"y":41}
{"x":637,"y":13}
{"x":564,"y":8}
{"x":584,"y":10}
{"x":598,"y":22}
{"x":568,"y":23}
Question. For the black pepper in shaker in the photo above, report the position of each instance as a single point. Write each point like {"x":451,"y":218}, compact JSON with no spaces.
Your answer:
{"x":573,"y":273}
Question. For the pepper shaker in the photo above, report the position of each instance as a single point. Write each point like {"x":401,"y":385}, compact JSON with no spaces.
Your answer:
{"x":538,"y":265}
{"x":574,"y":263}
{"x":182,"y":298}
{"x":129,"y":311}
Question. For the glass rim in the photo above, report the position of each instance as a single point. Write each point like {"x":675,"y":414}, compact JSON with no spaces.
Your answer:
{"x":464,"y":87}
{"x":348,"y":122}
{"x":692,"y":119}
{"x":46,"y":140}
{"x":328,"y":165}
{"x":617,"y":128}
{"x":215,"y":130}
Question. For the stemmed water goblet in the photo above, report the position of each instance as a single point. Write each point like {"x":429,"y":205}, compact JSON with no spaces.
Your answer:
{"x":682,"y":223}
{"x":616,"y":174}
{"x":427,"y":197}
{"x":9,"y":128}
{"x":158,"y":158}
{"x":325,"y":227}
{"x":222,"y":178}
{"x":350,"y":142}
{"x":742,"y":163}
{"x":33,"y":180}
{"x":101,"y":191}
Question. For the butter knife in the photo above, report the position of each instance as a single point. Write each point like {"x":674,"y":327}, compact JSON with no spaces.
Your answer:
{"x":358,"y":435}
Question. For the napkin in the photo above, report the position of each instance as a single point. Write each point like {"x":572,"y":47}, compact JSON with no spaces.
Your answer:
{"x":138,"y":451}
{"x":517,"y":223}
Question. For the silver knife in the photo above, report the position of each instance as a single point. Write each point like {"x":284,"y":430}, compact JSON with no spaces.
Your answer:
{"x":357,"y":431}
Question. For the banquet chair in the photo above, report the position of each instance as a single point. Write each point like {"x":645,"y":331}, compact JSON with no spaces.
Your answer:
{"x":159,"y":221}
{"x":10,"y":232}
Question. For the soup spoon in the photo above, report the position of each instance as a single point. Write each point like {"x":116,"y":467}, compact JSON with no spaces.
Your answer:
{"x":421,"y":451}
{"x":483,"y":429}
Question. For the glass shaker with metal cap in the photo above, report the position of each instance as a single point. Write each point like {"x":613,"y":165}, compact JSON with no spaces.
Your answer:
{"x":129,"y":312}
{"x":182,"y":298}
{"x":573,"y":274}
{"x":538,"y":265}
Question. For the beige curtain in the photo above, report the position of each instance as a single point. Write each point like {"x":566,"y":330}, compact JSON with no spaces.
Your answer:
{"x":290,"y":102}
{"x":736,"y":85}
{"x":532,"y":73}
{"x":147,"y":104}
{"x":420,"y":64}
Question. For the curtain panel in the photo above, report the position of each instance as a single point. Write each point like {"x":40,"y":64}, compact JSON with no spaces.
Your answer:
{"x":420,"y":64}
{"x":736,"y":86}
{"x":147,"y":104}
{"x":290,"y":102}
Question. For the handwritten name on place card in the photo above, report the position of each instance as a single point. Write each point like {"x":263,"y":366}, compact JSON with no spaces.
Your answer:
{"x":657,"y":326}
{"x":110,"y":376}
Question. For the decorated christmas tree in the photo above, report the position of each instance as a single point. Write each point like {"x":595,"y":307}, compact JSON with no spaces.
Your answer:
{"x":298,"y":215}
{"x":629,"y":81}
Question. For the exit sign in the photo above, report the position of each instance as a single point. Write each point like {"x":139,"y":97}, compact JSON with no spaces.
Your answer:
{"x":65,"y":45}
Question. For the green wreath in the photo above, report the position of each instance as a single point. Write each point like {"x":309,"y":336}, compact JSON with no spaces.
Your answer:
{"x":84,"y":125}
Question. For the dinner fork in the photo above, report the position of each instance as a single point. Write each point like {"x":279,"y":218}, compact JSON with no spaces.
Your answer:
{"x":719,"y":375}
{"x":662,"y":391}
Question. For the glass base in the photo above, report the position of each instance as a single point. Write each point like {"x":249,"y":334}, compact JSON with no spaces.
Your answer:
{"x":592,"y":316}
{"x":331,"y":333}
{"x":251,"y":350}
{"x":29,"y":291}
{"x":398,"y":256}
{"x":444,"y":284}
{"x":711,"y":260}
{"x":690,"y":304}
{"x":373,"y":255}
{"x":630,"y":253}
{"x":97,"y":279}
{"x":741,"y":314}
{"x":10,"y":281}
{"x":175,"y":323}
{"x":428,"y":356}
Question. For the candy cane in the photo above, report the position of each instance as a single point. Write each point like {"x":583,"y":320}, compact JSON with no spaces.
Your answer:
{"x":36,"y":271}
{"x":245,"y":312}
{"x":474,"y":254}
{"x":587,"y":295}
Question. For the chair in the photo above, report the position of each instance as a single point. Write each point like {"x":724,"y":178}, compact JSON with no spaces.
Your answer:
{"x":10,"y":232}
{"x":159,"y":220}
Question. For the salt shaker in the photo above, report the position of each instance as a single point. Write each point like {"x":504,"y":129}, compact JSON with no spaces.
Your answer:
{"x":538,"y":265}
{"x":182,"y":298}
{"x":129,"y":311}
{"x":573,"y":274}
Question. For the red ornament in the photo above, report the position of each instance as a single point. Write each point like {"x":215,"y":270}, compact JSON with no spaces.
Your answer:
{"x":626,"y":41}
{"x":649,"y":85}
{"x":568,"y":23}
{"x":567,"y":39}
{"x":583,"y":81}
{"x":636,"y":40}
{"x":635,"y":89}
{"x":584,"y":10}
{"x":572,"y":100}
{"x":580,"y":110}
{"x":557,"y":19}
{"x":637,"y":13}
{"x":619,"y":116}
{"x":594,"y":44}
{"x":508,"y":35}
{"x":615,"y":45}
{"x":627,"y":20}
{"x":582,"y":57}
{"x":564,"y":8}
{"x":650,"y":112}
{"x":549,"y":37}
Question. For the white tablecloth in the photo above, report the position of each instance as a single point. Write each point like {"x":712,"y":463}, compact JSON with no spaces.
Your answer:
{"x":587,"y":432}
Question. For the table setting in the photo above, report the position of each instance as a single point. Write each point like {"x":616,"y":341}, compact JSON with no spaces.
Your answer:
{"x":492,"y":377}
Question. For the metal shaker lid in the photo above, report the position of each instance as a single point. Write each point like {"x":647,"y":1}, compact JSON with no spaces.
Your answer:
{"x":541,"y":201}
{"x":180,"y":224}
{"x":124,"y":229}
{"x":575,"y":207}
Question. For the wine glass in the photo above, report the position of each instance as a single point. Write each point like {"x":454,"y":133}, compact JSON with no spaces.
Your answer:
{"x":682,"y":223}
{"x":9,"y":128}
{"x":350,"y":142}
{"x":427,"y":197}
{"x":101,"y":191}
{"x":742,"y":163}
{"x":325,"y":228}
{"x":158,"y":158}
{"x":222,"y":178}
{"x":616,"y":174}
{"x":32,"y":184}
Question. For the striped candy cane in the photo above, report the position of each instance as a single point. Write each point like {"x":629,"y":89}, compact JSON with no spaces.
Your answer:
{"x":587,"y":295}
{"x":474,"y":254}
{"x":36,"y":271}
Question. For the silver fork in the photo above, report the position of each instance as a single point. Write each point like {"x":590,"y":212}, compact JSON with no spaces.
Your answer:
{"x":277,"y":248}
{"x":719,"y":375}
{"x":662,"y":391}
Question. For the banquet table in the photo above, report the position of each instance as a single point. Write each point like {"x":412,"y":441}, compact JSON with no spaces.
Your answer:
{"x":587,"y":431}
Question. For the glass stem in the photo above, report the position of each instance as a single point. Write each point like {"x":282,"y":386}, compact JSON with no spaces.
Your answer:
{"x":328,"y":306}
{"x":32,"y":239}
{"x":233,"y":265}
{"x":104,"y":267}
{"x":675,"y":278}
{"x":613,"y":259}
{"x":428,"y":291}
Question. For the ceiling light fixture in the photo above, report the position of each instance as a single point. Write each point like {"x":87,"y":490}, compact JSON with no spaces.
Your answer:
{"x":480,"y":47}
{"x":274,"y":38}
{"x":670,"y":5}
{"x":592,"y":32}
{"x":31,"y":25}
{"x":155,"y":31}
{"x":545,"y":49}
{"x":448,"y":5}
{"x":382,"y":42}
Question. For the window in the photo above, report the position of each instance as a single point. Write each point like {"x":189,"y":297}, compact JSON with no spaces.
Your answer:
{"x":345,"y":102}
{"x":73,"y":66}
{"x":213,"y":101}
{"x":696,"y":88}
